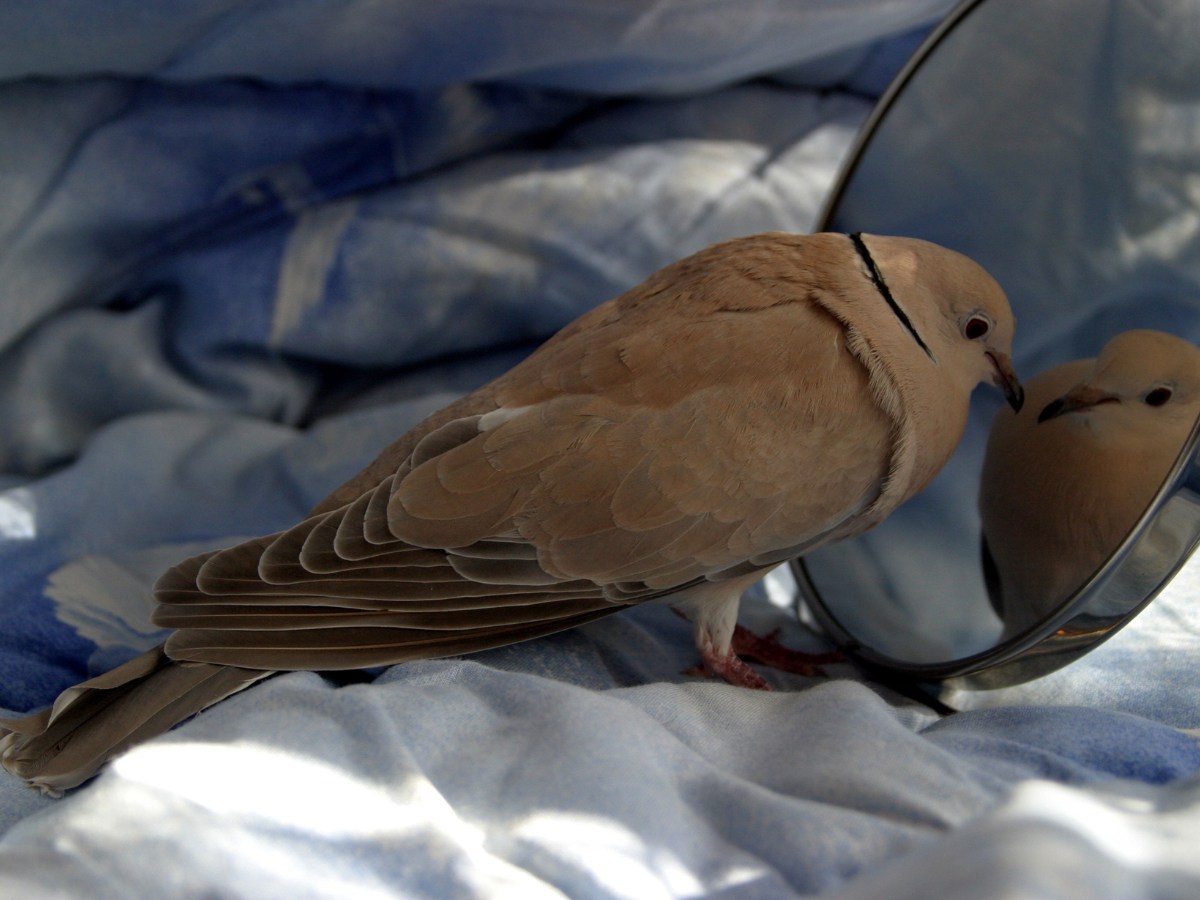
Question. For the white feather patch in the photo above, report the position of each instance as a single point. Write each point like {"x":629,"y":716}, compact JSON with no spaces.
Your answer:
{"x":498,"y":417}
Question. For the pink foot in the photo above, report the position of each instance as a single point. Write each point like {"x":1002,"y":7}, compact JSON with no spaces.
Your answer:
{"x":731,"y":668}
{"x":768,"y":651}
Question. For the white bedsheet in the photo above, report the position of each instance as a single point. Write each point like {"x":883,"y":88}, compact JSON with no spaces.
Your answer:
{"x":243,"y":246}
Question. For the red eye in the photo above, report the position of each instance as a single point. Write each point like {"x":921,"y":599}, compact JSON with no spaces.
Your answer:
{"x":1158,"y":396}
{"x":976,"y":327}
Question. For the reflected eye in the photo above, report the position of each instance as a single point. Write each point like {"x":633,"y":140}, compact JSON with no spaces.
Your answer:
{"x":976,"y":327}
{"x":1158,"y":396}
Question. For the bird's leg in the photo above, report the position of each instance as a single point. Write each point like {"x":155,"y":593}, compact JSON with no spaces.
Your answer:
{"x":722,"y":644}
{"x":712,"y":609}
{"x":727,"y":665}
{"x":768,"y":651}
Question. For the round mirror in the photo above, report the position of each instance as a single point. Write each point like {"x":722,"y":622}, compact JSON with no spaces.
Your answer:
{"x":1058,"y":144}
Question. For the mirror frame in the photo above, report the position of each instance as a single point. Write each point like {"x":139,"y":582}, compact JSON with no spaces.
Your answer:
{"x":1157,"y":547}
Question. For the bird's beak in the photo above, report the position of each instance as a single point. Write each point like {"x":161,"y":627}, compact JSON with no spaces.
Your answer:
{"x":1005,"y":378}
{"x":1082,"y":396}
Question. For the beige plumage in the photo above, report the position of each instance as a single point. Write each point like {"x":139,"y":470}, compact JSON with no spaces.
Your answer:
{"x":1066,"y":478}
{"x":741,"y":406}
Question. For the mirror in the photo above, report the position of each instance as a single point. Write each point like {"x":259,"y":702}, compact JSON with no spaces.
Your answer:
{"x":1058,"y":144}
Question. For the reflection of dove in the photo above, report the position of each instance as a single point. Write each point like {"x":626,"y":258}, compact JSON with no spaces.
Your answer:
{"x":1065,"y":479}
{"x":744,"y":405}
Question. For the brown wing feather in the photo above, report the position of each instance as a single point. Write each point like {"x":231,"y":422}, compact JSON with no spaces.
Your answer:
{"x":648,"y":445}
{"x":353,"y":648}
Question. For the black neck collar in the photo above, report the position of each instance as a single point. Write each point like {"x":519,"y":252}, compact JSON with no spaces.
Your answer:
{"x":881,"y":286}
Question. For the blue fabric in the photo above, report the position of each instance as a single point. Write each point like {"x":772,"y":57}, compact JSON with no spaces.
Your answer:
{"x":586,"y":765}
{"x":245,"y":245}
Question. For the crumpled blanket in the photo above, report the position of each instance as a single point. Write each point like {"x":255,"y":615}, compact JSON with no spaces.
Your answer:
{"x":242,"y":247}
{"x":590,"y":768}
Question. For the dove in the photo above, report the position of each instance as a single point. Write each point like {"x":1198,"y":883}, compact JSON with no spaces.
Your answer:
{"x":741,"y":406}
{"x":1067,"y":477}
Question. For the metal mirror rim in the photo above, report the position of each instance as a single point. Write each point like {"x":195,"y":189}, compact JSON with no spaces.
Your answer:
{"x":1128,"y":580}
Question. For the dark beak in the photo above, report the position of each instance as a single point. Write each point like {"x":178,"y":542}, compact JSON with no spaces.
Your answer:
{"x":1005,"y":378}
{"x":1082,"y":396}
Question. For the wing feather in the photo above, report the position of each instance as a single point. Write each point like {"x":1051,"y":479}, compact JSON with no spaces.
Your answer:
{"x":353,"y":648}
{"x":708,"y":421}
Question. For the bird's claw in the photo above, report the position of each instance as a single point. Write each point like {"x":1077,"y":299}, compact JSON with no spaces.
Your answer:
{"x":767,"y":650}
{"x":733,"y":669}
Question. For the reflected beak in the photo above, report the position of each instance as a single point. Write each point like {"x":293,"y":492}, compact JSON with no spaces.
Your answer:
{"x":1078,"y":398}
{"x":1005,"y":378}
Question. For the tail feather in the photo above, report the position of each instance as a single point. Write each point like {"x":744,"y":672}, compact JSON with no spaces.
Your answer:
{"x":65,"y":745}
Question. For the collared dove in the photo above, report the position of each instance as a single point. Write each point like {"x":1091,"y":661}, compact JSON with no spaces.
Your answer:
{"x":1066,"y":478}
{"x":741,"y":406}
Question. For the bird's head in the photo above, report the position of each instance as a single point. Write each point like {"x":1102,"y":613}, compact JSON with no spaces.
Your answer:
{"x":1144,"y":380}
{"x":954,"y":310}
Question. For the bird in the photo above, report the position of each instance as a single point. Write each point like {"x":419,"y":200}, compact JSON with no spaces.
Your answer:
{"x":1066,"y":478}
{"x":741,"y":406}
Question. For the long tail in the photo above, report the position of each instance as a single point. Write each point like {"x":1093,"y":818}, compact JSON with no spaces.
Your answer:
{"x":65,"y":745}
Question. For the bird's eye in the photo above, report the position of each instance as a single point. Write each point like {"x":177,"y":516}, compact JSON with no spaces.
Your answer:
{"x":1158,"y":396}
{"x":976,"y":327}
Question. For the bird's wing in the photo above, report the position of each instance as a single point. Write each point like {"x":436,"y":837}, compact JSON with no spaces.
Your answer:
{"x":627,"y":458}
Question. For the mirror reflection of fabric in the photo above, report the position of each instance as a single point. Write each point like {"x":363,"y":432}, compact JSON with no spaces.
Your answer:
{"x":1067,"y":477}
